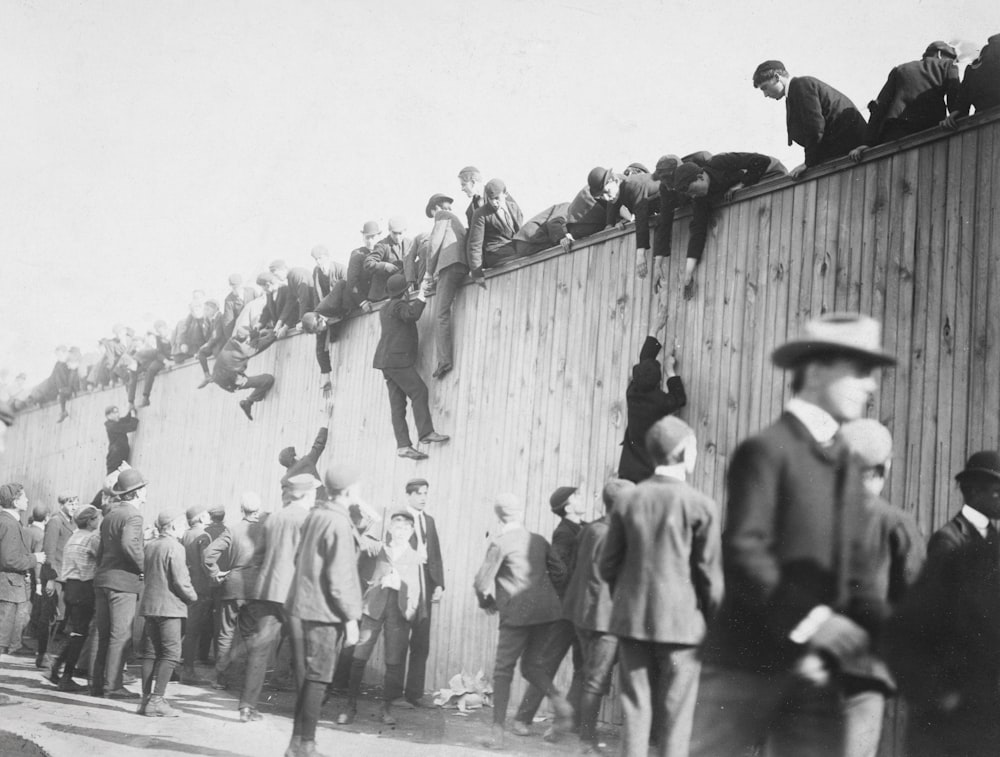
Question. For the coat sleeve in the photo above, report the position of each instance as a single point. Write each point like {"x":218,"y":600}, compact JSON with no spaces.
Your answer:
{"x":214,"y":552}
{"x":701,"y":214}
{"x":650,"y":349}
{"x":436,"y":239}
{"x":435,"y":563}
{"x":131,"y":541}
{"x":907,"y":555}
{"x":14,"y":554}
{"x":557,"y":568}
{"x":641,"y":206}
{"x":612,"y":553}
{"x":180,"y":577}
{"x":49,"y":572}
{"x":676,"y":396}
{"x":484,"y":584}
{"x":878,"y":106}
{"x":318,"y":446}
{"x":408,"y":311}
{"x":477,"y":232}
{"x":951,"y":87}
{"x":706,"y":561}
{"x":806,"y":123}
{"x":341,"y":571}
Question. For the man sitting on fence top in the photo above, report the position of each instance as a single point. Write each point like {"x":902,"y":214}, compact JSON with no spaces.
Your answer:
{"x":396,"y":357}
{"x":821,"y":119}
{"x":712,"y":184}
{"x":387,"y":257}
{"x":981,"y":84}
{"x":471,"y":181}
{"x":359,"y":280}
{"x":916,"y":96}
{"x":491,"y":235}
{"x":300,"y":292}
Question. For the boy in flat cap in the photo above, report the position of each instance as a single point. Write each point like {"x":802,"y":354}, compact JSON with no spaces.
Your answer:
{"x":587,"y":605}
{"x":165,"y":597}
{"x":821,"y":119}
{"x":492,"y":229}
{"x":663,"y":564}
{"x":447,"y":269}
{"x":325,"y":598}
{"x":646,"y":402}
{"x":944,"y":642}
{"x":517,"y":580}
{"x":897,"y":545}
{"x":711,"y":184}
{"x":393,"y":602}
{"x":794,"y":553}
{"x":917,"y":95}
{"x":118,"y":429}
{"x":16,"y":565}
{"x":396,"y":357}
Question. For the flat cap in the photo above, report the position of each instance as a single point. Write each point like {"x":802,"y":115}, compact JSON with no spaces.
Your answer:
{"x":560,"y":496}
{"x":217,"y":511}
{"x":685,"y":174}
{"x":938,"y":46}
{"x":286,"y":457}
{"x":84,"y":515}
{"x":266,"y":278}
{"x":194,"y":511}
{"x":868,"y":439}
{"x":277,"y":265}
{"x":165,"y":518}
{"x":401,"y":513}
{"x":436,"y":199}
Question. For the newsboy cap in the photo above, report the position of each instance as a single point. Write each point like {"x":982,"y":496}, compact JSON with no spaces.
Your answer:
{"x":848,"y":334}
{"x":667,"y":434}
{"x":397,"y":224}
{"x":286,"y":457}
{"x":939,"y":46}
{"x":194,"y":511}
{"x":165,"y":518}
{"x":685,"y":174}
{"x":560,"y":496}
{"x":9,"y":493}
{"x":217,"y":511}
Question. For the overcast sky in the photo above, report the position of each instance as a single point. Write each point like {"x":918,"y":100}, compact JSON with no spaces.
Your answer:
{"x":152,"y":148}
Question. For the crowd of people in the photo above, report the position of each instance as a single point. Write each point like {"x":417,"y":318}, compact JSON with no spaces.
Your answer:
{"x":784,"y":629}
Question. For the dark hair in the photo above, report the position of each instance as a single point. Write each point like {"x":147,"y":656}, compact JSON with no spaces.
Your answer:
{"x":415,"y":484}
{"x":128,"y":496}
{"x":39,"y":513}
{"x":799,"y":371}
{"x":763,"y":75}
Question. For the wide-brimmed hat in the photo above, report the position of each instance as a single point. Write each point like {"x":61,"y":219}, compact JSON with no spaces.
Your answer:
{"x":846,"y":334}
{"x":985,"y":463}
{"x":128,"y":481}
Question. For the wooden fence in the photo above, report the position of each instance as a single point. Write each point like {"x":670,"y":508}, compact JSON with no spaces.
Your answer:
{"x":543,"y":354}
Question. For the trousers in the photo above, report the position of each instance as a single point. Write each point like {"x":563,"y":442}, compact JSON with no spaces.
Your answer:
{"x":402,"y":383}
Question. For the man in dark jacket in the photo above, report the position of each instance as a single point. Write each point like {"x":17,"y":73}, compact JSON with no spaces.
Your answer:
{"x":944,"y":642}
{"x":646,"y":403}
{"x":980,"y":87}
{"x":150,"y":359}
{"x":821,"y":119}
{"x":199,"y":613}
{"x":396,"y":357}
{"x":307,"y":463}
{"x":494,"y":224}
{"x":118,"y":429}
{"x":217,"y":339}
{"x":663,"y":563}
{"x":299,"y":282}
{"x":517,"y":580}
{"x":167,"y":593}
{"x":359,"y":281}
{"x":587,"y":605}
{"x":16,"y":564}
{"x":230,"y":371}
{"x":117,"y":584}
{"x":794,"y":553}
{"x":709,"y":185}
{"x":917,"y":95}
{"x":387,"y":257}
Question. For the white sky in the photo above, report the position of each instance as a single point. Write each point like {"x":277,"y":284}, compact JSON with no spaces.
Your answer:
{"x":151,"y":148}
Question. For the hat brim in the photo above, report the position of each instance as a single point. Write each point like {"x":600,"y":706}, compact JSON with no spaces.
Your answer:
{"x":116,"y":490}
{"x":796,"y":353}
{"x":977,"y":472}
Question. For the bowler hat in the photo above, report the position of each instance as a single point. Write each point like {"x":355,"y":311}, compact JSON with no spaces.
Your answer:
{"x":985,"y":463}
{"x":436,"y":199}
{"x":494,"y":188}
{"x":165,"y":518}
{"x":396,"y":284}
{"x":868,"y":439}
{"x":596,"y":180}
{"x":128,"y":481}
{"x":560,"y":496}
{"x":685,"y":174}
{"x":847,"y":334}
{"x":397,"y":224}
{"x":371,"y":228}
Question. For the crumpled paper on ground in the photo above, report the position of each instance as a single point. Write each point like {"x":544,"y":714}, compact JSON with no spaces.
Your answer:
{"x":465,"y":693}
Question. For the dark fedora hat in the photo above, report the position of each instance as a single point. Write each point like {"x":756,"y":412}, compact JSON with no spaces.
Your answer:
{"x":848,"y":334}
{"x":985,"y":463}
{"x":128,"y":481}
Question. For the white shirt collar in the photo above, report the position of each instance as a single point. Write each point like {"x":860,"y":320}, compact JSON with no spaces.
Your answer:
{"x":977,"y":519}
{"x":820,"y":424}
{"x":671,"y":471}
{"x":417,"y":514}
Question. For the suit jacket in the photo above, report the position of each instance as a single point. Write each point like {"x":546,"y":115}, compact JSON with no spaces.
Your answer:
{"x":916,"y":96}
{"x":232,"y":306}
{"x":195,"y":541}
{"x":725,"y":171}
{"x":587,"y":601}
{"x":638,"y":193}
{"x":308,"y":462}
{"x":397,"y":346}
{"x":359,"y":281}
{"x":981,"y":84}
{"x":231,"y":364}
{"x":168,"y":590}
{"x":434,"y":567}
{"x":325,"y":587}
{"x":411,"y":602}
{"x":447,"y":245}
{"x":57,"y":532}
{"x":646,"y":403}
{"x":120,"y":556}
{"x":279,"y":305}
{"x":323,"y":282}
{"x":518,"y":577}
{"x":564,"y":544}
{"x":240,"y":551}
{"x":945,"y":636}
{"x":584,"y":217}
{"x":475,"y":203}
{"x":215,"y":329}
{"x":282,"y":535}
{"x":541,"y":231}
{"x":16,"y":559}
{"x":663,"y":562}
{"x":821,"y":119}
{"x":383,"y":261}
{"x":490,"y":237}
{"x":794,"y":524}
{"x":118,"y":431}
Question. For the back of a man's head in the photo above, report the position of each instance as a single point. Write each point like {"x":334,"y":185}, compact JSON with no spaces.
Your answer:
{"x":668,"y":439}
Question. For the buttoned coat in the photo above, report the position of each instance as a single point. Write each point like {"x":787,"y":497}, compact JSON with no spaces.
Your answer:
{"x":518,"y":577}
{"x":240,"y":551}
{"x":194,"y":541}
{"x":434,"y":567}
{"x":359,"y":281}
{"x":168,"y":590}
{"x":916,"y":96}
{"x":490,"y":237}
{"x":15,"y":559}
{"x":587,"y":601}
{"x":822,"y":120}
{"x":662,"y":559}
{"x":120,"y":555}
{"x":282,"y":536}
{"x":57,"y":532}
{"x":408,"y":597}
{"x":326,"y":587}
{"x":397,"y":345}
{"x":385,"y":259}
